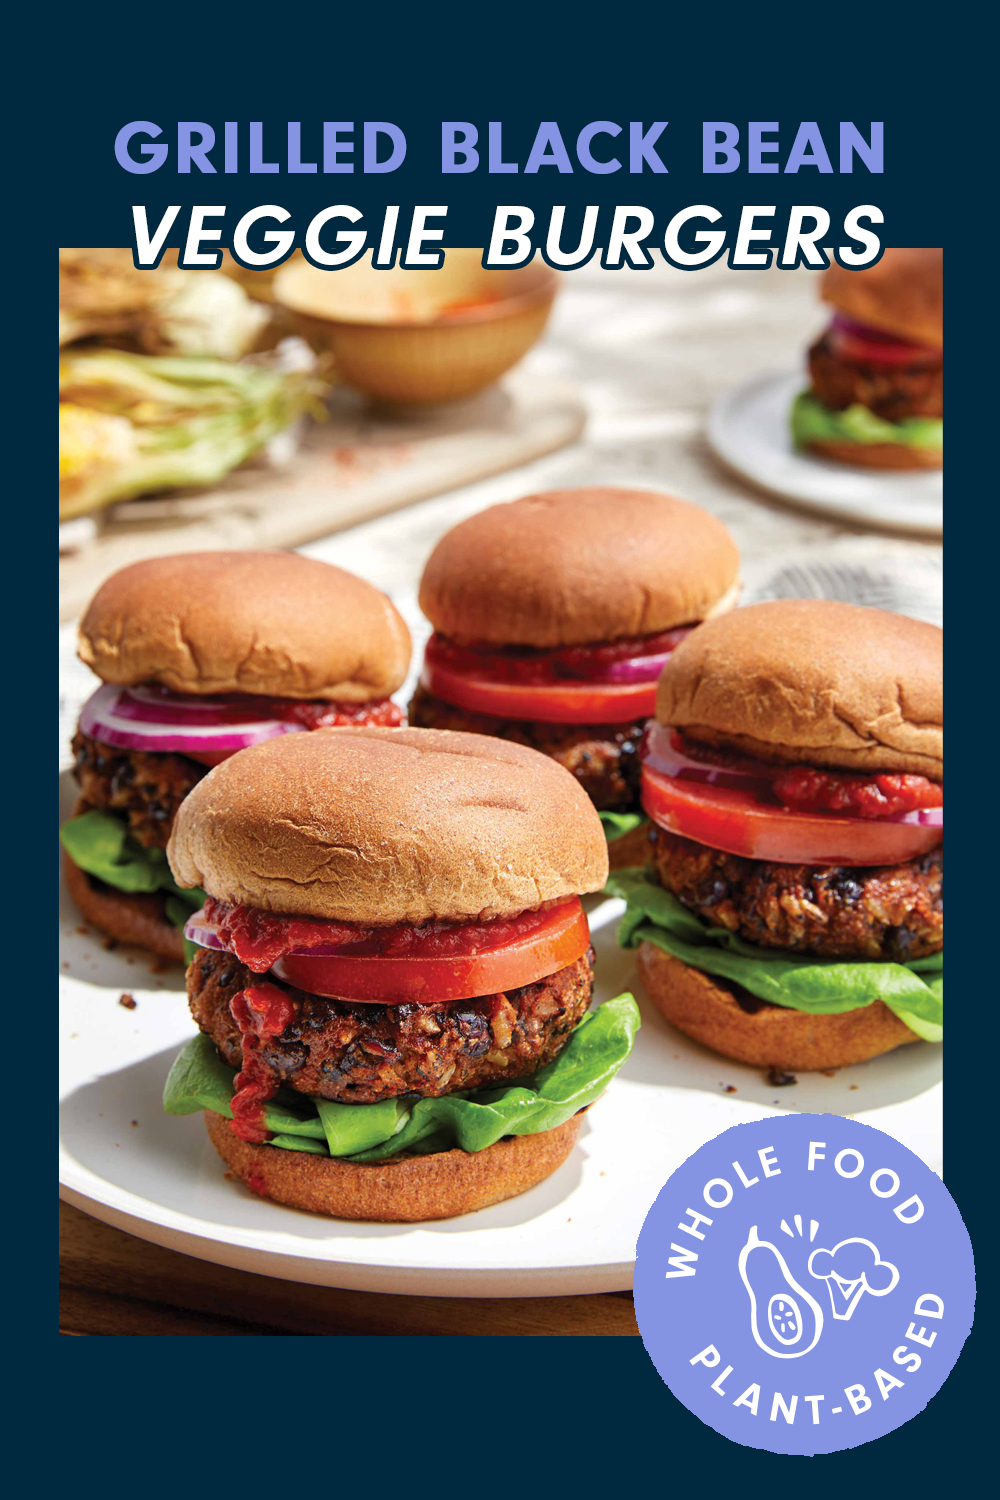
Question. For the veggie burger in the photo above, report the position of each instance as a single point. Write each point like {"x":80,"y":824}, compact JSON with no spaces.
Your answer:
{"x":792,"y":916}
{"x":877,"y":373}
{"x":200,"y":655}
{"x":392,"y":970}
{"x":553,"y":616}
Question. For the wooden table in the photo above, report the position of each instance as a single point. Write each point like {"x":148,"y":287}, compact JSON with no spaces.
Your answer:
{"x":114,"y":1284}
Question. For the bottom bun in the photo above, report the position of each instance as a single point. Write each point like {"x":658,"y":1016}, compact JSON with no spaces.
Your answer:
{"x":772,"y":1037}
{"x":631,"y":849}
{"x":137,"y":919}
{"x":404,"y":1189}
{"x":879,"y":455}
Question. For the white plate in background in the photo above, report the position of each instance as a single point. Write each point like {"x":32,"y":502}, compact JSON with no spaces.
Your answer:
{"x":748,"y":429}
{"x":126,"y":1162}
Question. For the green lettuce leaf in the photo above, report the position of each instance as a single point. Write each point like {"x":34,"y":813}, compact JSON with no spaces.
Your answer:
{"x":581,"y":1072}
{"x":813,"y":422}
{"x":617,"y":824}
{"x":199,"y":1079}
{"x":473,"y":1120}
{"x":353,"y":1128}
{"x":100,"y":843}
{"x":820,"y":986}
{"x":298,"y":1143}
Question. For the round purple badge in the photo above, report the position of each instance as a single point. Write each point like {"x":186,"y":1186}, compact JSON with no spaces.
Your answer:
{"x":804,"y":1283}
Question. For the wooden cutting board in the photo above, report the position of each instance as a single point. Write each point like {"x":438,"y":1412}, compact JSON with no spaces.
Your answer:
{"x":359,"y":464}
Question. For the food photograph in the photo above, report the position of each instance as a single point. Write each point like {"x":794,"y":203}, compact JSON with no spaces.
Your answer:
{"x":501,"y":748}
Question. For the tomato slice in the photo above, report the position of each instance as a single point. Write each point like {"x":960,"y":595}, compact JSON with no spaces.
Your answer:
{"x":574,"y":703}
{"x":734,"y":821}
{"x":557,"y":939}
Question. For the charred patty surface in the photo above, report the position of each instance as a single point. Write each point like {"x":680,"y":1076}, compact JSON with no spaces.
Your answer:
{"x":896,"y":912}
{"x":604,"y":758}
{"x":360,"y":1054}
{"x":892,"y":392}
{"x":148,"y":787}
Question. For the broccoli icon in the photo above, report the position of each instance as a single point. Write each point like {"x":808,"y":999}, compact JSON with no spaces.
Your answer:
{"x":850,"y":1269}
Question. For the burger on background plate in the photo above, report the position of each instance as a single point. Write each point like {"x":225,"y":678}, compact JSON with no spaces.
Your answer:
{"x":876,"y":374}
{"x":392,"y":970}
{"x":791,"y":915}
{"x":199,"y":656}
{"x":553,"y":616}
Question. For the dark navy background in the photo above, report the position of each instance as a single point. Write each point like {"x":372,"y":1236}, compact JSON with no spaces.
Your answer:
{"x":569,"y":1416}
{"x":416,"y":71}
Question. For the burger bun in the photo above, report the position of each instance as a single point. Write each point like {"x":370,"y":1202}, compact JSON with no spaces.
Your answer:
{"x":707,"y":1010}
{"x":573,"y":567}
{"x":813,"y":681}
{"x":380,"y":826}
{"x":246,"y":622}
{"x":402,"y":1189}
{"x":901,"y":294}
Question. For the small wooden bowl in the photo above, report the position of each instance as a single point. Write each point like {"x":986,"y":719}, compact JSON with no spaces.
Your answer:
{"x":418,"y":338}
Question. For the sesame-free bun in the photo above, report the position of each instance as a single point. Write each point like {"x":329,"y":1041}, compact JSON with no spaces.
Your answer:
{"x":902,"y":294}
{"x":389,"y":825}
{"x":403,"y":1189}
{"x":571,"y":567}
{"x":138,"y":919}
{"x":814,"y":681}
{"x":878,"y":455}
{"x":706,"y":1010}
{"x":246,"y":622}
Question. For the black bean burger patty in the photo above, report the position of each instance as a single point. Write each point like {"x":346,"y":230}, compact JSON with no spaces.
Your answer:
{"x":896,"y":912}
{"x":359,"y":1054}
{"x":891,"y":392}
{"x":604,"y":758}
{"x":147,"y":786}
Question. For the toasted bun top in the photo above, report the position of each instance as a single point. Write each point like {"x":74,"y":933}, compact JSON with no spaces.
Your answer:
{"x":246,"y":622}
{"x":572,"y":567}
{"x":813,"y":681}
{"x":389,"y":825}
{"x":903,"y":294}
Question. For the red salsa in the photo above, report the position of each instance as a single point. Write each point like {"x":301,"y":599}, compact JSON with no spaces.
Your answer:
{"x":524,"y":664}
{"x":381,"y":713}
{"x":806,"y":789}
{"x":261,"y":1012}
{"x":810,"y":789}
{"x":312,"y":713}
{"x":260,"y":938}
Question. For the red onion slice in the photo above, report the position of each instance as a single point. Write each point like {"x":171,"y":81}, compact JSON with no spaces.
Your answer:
{"x":866,"y":331}
{"x":644,"y":668}
{"x":660,"y":753}
{"x":925,"y":817}
{"x":638,"y":669}
{"x":101,"y":719}
{"x":149,"y":705}
{"x":196,"y":930}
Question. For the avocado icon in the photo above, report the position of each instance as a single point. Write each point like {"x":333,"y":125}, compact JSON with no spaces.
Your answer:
{"x":792,"y":1319}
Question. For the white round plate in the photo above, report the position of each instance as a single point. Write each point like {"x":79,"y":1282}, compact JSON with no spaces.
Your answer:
{"x":748,"y":428}
{"x":126,"y":1162}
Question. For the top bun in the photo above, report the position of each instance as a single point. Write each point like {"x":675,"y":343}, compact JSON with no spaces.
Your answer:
{"x":246,"y":622}
{"x":572,"y":567}
{"x":389,"y":825}
{"x":903,"y":294}
{"x":812,"y":681}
